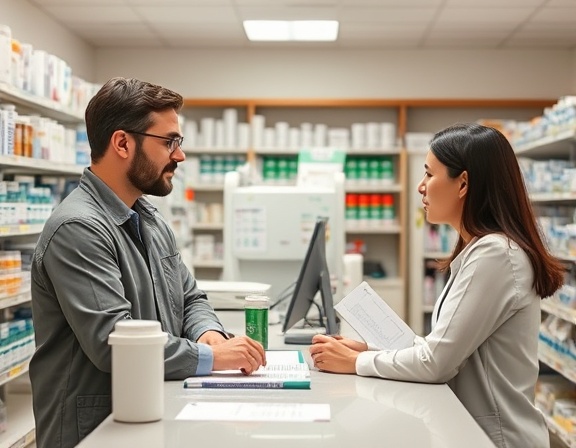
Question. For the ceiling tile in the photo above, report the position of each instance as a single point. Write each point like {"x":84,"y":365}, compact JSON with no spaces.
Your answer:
{"x":287,"y":13}
{"x":386,"y":15}
{"x":371,"y":30}
{"x":93,"y":14}
{"x":75,"y":2}
{"x":117,"y":31}
{"x":380,"y":43}
{"x":178,"y":42}
{"x":545,"y":26}
{"x":187,"y":14}
{"x":462,"y":43}
{"x":285,"y":3}
{"x":529,"y":42}
{"x":126,"y":43}
{"x":555,"y":15}
{"x":394,"y":3}
{"x":559,"y":3}
{"x":546,"y":34}
{"x":474,"y":26}
{"x":470,"y":15}
{"x":165,"y":3}
{"x":363,"y":23}
{"x":467,"y":34}
{"x":198,"y":31}
{"x":492,"y":3}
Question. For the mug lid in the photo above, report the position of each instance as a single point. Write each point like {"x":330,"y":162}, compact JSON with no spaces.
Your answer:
{"x":256,"y":298}
{"x":136,"y":332}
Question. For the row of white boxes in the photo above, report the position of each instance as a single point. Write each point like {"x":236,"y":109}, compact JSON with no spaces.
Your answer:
{"x":41,"y":74}
{"x":227,"y":132}
{"x":41,"y":138}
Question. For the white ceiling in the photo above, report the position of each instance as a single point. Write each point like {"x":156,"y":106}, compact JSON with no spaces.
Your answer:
{"x":363,"y":23}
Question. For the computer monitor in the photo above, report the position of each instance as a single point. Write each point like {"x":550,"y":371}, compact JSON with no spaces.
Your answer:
{"x":313,"y":277}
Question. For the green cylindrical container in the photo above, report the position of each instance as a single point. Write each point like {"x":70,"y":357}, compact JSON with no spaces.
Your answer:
{"x":256,"y":314}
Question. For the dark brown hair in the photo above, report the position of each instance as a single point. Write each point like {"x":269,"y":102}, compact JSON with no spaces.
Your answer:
{"x":126,"y":104}
{"x":496,"y":201}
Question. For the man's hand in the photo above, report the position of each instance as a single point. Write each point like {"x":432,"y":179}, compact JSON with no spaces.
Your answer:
{"x":212,"y":337}
{"x":241,"y":353}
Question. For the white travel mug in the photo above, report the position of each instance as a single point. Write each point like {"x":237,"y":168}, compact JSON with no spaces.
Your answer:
{"x":137,"y":370}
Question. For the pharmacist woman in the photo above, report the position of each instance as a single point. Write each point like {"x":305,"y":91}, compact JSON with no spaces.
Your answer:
{"x":484,"y":338}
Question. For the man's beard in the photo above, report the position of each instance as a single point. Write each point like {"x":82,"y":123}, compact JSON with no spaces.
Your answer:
{"x":143,"y":175}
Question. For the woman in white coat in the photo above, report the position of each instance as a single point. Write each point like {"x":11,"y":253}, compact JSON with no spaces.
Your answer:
{"x":484,"y":338}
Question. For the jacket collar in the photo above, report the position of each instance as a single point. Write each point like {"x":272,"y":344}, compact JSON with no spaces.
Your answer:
{"x":110,"y":202}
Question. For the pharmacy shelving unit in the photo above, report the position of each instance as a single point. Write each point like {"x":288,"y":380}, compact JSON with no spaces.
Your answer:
{"x":390,"y":245}
{"x":561,"y":146}
{"x":20,"y":430}
{"x":385,"y":244}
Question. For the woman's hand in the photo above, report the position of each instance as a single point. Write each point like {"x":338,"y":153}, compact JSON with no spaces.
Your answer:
{"x":351,"y":343}
{"x":334,"y":353}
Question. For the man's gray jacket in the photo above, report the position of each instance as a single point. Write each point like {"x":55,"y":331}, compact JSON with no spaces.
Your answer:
{"x":98,"y":262}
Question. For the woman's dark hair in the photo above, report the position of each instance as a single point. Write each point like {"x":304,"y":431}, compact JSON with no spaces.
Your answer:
{"x":496,"y":201}
{"x":126,"y":104}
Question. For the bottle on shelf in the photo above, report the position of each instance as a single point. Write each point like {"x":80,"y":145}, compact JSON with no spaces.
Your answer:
{"x":388,"y":210}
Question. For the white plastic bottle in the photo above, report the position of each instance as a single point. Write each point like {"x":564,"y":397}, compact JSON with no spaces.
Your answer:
{"x":9,"y":125}
{"x":137,"y":370}
{"x":5,"y":54}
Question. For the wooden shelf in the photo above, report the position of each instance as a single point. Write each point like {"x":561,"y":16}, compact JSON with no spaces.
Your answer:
{"x":21,"y":427}
{"x":386,"y":229}
{"x":208,"y":187}
{"x":385,"y":282}
{"x":352,"y":187}
{"x":434,"y":255}
{"x":207,"y":226}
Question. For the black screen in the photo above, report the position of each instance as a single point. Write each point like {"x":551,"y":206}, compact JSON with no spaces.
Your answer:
{"x":313,"y":277}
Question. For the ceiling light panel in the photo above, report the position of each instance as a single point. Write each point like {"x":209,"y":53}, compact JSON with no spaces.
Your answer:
{"x":281,"y":30}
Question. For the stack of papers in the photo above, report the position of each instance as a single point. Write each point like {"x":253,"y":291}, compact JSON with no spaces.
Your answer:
{"x":256,"y":412}
{"x":374,"y":320}
{"x":285,"y":369}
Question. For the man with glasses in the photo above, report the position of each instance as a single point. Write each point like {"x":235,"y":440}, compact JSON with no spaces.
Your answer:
{"x":106,"y":255}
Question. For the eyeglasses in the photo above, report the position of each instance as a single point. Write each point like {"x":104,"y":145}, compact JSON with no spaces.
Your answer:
{"x":172,"y":143}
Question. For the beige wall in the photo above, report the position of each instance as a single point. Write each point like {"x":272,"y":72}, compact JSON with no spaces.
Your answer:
{"x":261,"y":73}
{"x":573,"y":92}
{"x":30,"y":25}
{"x":308,"y":73}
